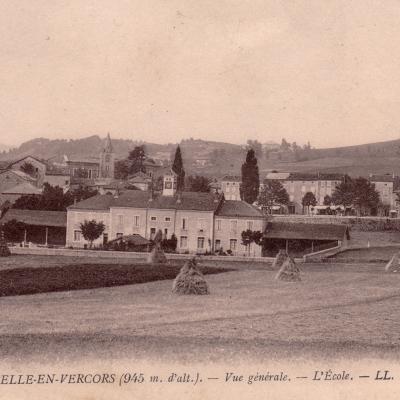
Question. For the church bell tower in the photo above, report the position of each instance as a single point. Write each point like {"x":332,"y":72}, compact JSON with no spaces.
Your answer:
{"x":107,"y":160}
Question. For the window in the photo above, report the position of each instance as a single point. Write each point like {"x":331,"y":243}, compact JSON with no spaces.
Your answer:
{"x":218,"y":224}
{"x":153,"y":218}
{"x":232,"y":244}
{"x":183,"y":242}
{"x":77,"y":236}
{"x":249,"y":225}
{"x":136,"y":221}
{"x":233,"y":226}
{"x":183,"y":223}
{"x":119,"y":235}
{"x":167,"y":219}
{"x":152,"y":233}
{"x":120,"y":220}
{"x":217,"y":245}
{"x":200,"y":243}
{"x":165,"y":233}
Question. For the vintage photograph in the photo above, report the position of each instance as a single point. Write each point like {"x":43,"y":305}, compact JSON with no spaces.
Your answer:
{"x":199,"y":199}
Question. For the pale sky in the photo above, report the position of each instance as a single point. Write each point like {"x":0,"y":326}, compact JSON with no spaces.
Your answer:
{"x":228,"y":70}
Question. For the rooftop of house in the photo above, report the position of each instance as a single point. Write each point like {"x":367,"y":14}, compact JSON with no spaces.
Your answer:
{"x":142,"y":199}
{"x":301,"y":176}
{"x":41,"y":161}
{"x":37,"y":218}
{"x":382,"y":178}
{"x":24,"y":188}
{"x":237,"y":208}
{"x":94,"y":203}
{"x":294,"y":230}
{"x":20,"y":174}
{"x":83,"y":159}
{"x":278,"y":175}
{"x":140,"y":177}
{"x":231,"y":178}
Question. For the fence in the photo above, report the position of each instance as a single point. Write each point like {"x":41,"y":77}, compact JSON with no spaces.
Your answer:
{"x":40,"y":251}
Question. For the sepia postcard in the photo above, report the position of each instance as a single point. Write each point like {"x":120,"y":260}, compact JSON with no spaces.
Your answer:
{"x":199,"y":199}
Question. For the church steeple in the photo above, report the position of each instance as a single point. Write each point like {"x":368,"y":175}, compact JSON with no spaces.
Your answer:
{"x":107,"y":160}
{"x":108,"y":148}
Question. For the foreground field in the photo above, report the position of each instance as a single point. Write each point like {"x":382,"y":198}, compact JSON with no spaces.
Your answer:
{"x":335,"y":311}
{"x":26,"y":280}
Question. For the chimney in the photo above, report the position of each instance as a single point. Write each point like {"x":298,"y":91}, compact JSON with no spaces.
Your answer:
{"x":179,"y":198}
{"x":116,"y":195}
{"x":150,"y":195}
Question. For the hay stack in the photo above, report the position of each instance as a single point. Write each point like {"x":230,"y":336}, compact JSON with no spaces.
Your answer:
{"x":394,"y":264}
{"x":157,"y":255}
{"x":190,"y":280}
{"x":289,"y":271}
{"x":4,"y":250}
{"x":280,"y":259}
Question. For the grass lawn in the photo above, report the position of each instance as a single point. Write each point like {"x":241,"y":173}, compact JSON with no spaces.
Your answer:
{"x":18,"y":281}
{"x":341,"y":310}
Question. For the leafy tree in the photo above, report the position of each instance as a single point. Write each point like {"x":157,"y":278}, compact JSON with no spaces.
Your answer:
{"x":136,"y":160}
{"x":273,"y":193}
{"x":91,"y":230}
{"x":14,"y":230}
{"x":285,"y":146}
{"x":52,"y":198}
{"x":247,"y":239}
{"x":170,"y":244}
{"x":28,"y":168}
{"x":327,"y":200}
{"x":256,"y":146}
{"x":122,"y":168}
{"x":198,"y":183}
{"x":343,"y":194}
{"x":250,"y":178}
{"x":309,"y":200}
{"x":81,"y":193}
{"x":365,"y":197}
{"x":28,"y":202}
{"x":177,"y":167}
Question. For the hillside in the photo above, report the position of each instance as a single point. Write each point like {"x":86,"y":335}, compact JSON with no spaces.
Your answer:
{"x":219,"y":158}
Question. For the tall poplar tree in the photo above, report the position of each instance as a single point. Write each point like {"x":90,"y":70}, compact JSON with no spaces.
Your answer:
{"x":250,"y":178}
{"x":177,"y":167}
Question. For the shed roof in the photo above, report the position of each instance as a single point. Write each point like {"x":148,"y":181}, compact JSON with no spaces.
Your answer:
{"x":36,"y":217}
{"x":294,"y":230}
{"x":135,"y":239}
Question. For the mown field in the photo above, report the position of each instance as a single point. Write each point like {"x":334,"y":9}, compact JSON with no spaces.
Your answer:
{"x":337,"y":310}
